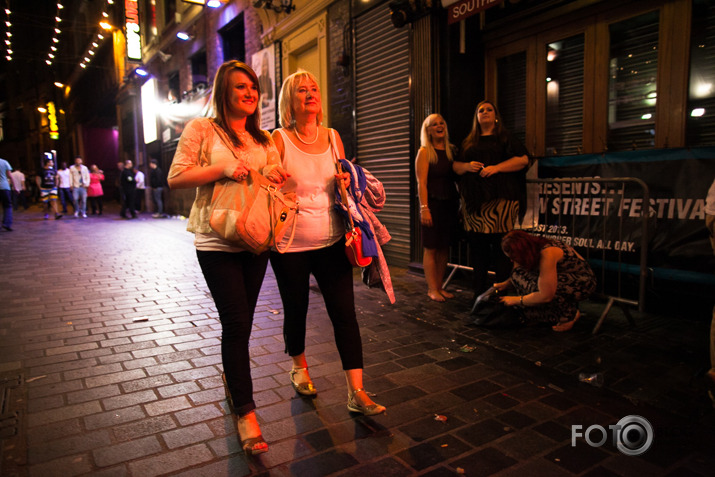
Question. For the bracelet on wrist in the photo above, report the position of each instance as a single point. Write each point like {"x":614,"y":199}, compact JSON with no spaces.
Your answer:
{"x":521,"y":300}
{"x":422,"y":207}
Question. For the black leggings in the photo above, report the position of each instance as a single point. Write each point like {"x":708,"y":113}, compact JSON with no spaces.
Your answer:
{"x":235,"y":280}
{"x":485,"y":254}
{"x":334,"y":275}
{"x":95,"y":203}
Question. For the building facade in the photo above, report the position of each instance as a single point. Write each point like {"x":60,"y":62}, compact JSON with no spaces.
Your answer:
{"x":571,"y":77}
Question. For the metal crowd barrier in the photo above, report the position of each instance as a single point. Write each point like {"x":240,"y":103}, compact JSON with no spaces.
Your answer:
{"x":597,"y":216}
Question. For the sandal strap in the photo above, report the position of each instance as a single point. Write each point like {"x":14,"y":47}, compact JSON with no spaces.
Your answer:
{"x":352,"y":394}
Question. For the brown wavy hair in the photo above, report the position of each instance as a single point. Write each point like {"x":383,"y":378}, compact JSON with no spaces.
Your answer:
{"x":219,"y":103}
{"x":472,"y":138}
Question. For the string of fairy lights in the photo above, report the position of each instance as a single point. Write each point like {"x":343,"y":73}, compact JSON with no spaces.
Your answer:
{"x":85,"y":58}
{"x":97,"y":40}
{"x":8,"y":33}
{"x":55,"y":36}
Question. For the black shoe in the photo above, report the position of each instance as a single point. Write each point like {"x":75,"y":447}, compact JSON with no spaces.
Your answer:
{"x":7,"y":227}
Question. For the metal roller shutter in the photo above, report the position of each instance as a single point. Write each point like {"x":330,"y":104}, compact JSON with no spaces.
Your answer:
{"x":383,"y":120}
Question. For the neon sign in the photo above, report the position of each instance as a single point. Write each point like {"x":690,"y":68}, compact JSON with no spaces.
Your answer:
{"x":52,"y":119}
{"x":134,"y":43}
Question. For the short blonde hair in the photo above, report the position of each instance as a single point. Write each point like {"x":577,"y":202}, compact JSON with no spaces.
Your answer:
{"x":285,"y":99}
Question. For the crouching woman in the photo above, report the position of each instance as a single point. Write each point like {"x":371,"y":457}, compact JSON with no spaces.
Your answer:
{"x":549,"y":278}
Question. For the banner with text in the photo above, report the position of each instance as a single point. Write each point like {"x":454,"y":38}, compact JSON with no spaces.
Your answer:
{"x":606,"y":216}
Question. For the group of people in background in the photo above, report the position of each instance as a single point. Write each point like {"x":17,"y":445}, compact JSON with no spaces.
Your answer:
{"x":79,"y":187}
{"x":483,"y":186}
{"x":131,"y":188}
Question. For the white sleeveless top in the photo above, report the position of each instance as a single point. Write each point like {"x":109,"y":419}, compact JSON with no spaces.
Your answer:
{"x":312,"y":177}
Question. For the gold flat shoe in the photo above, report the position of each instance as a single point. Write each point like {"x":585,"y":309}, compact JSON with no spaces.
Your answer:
{"x":304,"y":389}
{"x":368,"y":410}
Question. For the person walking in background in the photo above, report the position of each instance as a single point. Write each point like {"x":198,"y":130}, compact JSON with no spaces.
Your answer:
{"x":64,"y":188}
{"x":18,"y":189}
{"x":318,"y":247}
{"x":79,"y":181}
{"x":140,"y":191}
{"x":128,"y":186}
{"x":492,"y":186}
{"x":95,"y":191}
{"x":156,"y":183}
{"x":118,"y":183}
{"x":438,"y":197}
{"x":47,"y":183}
{"x":549,"y":278}
{"x":5,"y":195}
{"x":207,"y":152}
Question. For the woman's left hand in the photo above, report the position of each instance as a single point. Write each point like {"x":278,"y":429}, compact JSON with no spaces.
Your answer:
{"x":275,"y":173}
{"x":345,"y":177}
{"x":488,"y":171}
{"x":511,"y":300}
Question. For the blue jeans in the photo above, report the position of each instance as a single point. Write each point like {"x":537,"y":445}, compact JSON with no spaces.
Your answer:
{"x":6,"y":199}
{"x":80,"y":199}
{"x":234,"y":280}
{"x":157,"y":194}
{"x":66,"y":196}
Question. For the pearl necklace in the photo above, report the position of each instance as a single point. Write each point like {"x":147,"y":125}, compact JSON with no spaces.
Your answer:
{"x":317,"y":133}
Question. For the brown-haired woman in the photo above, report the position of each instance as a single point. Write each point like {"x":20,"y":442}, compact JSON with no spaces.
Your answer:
{"x":233,"y":275}
{"x":549,"y":277}
{"x":492,"y":185}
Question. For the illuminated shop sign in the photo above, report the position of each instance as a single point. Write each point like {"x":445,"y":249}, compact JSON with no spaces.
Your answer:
{"x":466,"y":8}
{"x":52,"y":119}
{"x":134,"y":43}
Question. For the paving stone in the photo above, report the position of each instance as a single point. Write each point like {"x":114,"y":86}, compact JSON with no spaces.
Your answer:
{"x":171,"y":461}
{"x":126,"y":451}
{"x":476,"y":390}
{"x":64,"y":413}
{"x":142,"y":428}
{"x":114,"y":378}
{"x":113,"y":418}
{"x":77,"y":464}
{"x":126,"y":400}
{"x":54,"y":449}
{"x":433,"y":452}
{"x":577,"y":459}
{"x":187,"y":435}
{"x":484,"y":462}
{"x":322,"y":464}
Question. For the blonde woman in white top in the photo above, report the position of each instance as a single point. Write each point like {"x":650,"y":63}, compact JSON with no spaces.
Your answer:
{"x":319,"y":245}
{"x":234,"y":276}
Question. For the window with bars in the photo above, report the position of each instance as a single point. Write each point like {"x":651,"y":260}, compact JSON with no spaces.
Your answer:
{"x":633,"y":70}
{"x":511,"y":95}
{"x":700,"y":122}
{"x":564,"y":96}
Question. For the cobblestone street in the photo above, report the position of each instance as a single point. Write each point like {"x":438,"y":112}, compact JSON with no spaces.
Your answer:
{"x":110,"y":366}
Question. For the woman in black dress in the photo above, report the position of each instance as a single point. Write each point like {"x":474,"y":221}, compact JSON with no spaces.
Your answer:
{"x":438,"y":201}
{"x":493,"y":182}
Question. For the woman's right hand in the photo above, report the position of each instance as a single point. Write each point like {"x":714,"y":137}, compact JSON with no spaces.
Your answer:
{"x":503,"y":286}
{"x":235,"y":170}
